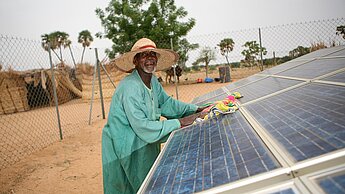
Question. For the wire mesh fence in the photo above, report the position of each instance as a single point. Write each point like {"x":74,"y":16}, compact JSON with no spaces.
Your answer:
{"x":30,"y":119}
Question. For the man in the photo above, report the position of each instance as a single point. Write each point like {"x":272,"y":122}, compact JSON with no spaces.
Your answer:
{"x":132,"y":136}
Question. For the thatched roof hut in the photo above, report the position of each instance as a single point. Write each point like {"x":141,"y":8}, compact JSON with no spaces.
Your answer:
{"x":25,"y":90}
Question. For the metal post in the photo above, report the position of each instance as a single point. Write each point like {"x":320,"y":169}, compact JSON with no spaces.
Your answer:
{"x":274,"y":58}
{"x":111,"y":81}
{"x":174,"y":67}
{"x":100,"y":83}
{"x":262,"y":62}
{"x":54,"y":91}
{"x":93,"y":92}
{"x":70,"y":50}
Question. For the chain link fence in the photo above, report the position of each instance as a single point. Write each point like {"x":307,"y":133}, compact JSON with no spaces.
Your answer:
{"x":30,"y":119}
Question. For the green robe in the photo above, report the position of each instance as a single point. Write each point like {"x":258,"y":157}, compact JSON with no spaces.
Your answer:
{"x":132,"y":136}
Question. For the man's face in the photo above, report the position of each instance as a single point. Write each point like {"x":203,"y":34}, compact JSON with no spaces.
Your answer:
{"x":147,"y":61}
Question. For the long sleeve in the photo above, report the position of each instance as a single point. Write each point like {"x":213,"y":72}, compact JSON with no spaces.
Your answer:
{"x":138,"y":113}
{"x":172,"y":108}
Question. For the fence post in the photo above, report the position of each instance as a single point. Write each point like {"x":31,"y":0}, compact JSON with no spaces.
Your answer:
{"x":174,"y":67}
{"x":54,"y":91}
{"x":262,"y":62}
{"x":100,"y":82}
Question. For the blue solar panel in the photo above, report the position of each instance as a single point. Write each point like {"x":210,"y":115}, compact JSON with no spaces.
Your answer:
{"x":315,"y":68}
{"x":220,"y":96}
{"x":333,"y":184}
{"x":283,"y":67}
{"x":321,"y":53}
{"x":264,"y":87}
{"x":307,"y":121}
{"x":339,"y":77}
{"x":213,"y":153}
{"x":338,"y":53}
{"x":242,"y":82}
{"x":209,"y":95}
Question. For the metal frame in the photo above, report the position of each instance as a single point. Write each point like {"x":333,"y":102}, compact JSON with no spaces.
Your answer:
{"x":310,"y":179}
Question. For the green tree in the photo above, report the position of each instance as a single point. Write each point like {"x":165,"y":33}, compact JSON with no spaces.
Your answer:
{"x":251,"y":52}
{"x":226,"y":46}
{"x":206,"y":56}
{"x":341,"y":31}
{"x":125,"y":21}
{"x":299,"y":51}
{"x":48,"y":40}
{"x":60,"y":39}
{"x":85,"y":38}
{"x":184,"y":48}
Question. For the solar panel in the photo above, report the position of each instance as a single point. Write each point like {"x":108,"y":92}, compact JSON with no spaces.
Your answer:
{"x":338,"y":53}
{"x":339,"y":77}
{"x":243,"y":82}
{"x":221,"y":96}
{"x":213,"y":153}
{"x":283,"y":67}
{"x":315,"y":68}
{"x":209,"y":95}
{"x":307,"y":121}
{"x":332,"y":184}
{"x":321,"y":53}
{"x":264,"y":87}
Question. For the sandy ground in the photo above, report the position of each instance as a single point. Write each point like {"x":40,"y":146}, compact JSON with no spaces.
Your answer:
{"x":73,"y":165}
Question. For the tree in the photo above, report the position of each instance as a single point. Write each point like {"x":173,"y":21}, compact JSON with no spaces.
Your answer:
{"x":60,"y":39}
{"x":226,"y":46}
{"x":341,"y":31}
{"x":85,"y":38}
{"x":125,"y":21}
{"x":184,"y":48}
{"x":206,"y":56}
{"x":46,"y":41}
{"x":299,"y":51}
{"x":252,"y":52}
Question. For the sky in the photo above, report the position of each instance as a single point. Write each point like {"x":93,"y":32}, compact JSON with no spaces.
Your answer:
{"x":30,"y":19}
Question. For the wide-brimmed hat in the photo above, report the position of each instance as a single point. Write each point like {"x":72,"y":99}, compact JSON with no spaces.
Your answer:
{"x":166,"y":57}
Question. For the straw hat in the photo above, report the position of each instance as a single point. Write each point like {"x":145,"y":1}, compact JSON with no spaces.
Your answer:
{"x":166,"y":57}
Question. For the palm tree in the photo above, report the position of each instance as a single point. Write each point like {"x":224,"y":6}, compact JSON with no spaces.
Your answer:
{"x":226,"y":46}
{"x":85,"y":38}
{"x":46,"y":40}
{"x":60,"y":39}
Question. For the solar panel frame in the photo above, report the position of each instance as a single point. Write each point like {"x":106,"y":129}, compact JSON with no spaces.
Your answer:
{"x":319,"y":181}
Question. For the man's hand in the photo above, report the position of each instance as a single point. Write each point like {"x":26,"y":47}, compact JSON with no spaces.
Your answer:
{"x":188,"y":120}
{"x":201,"y":109}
